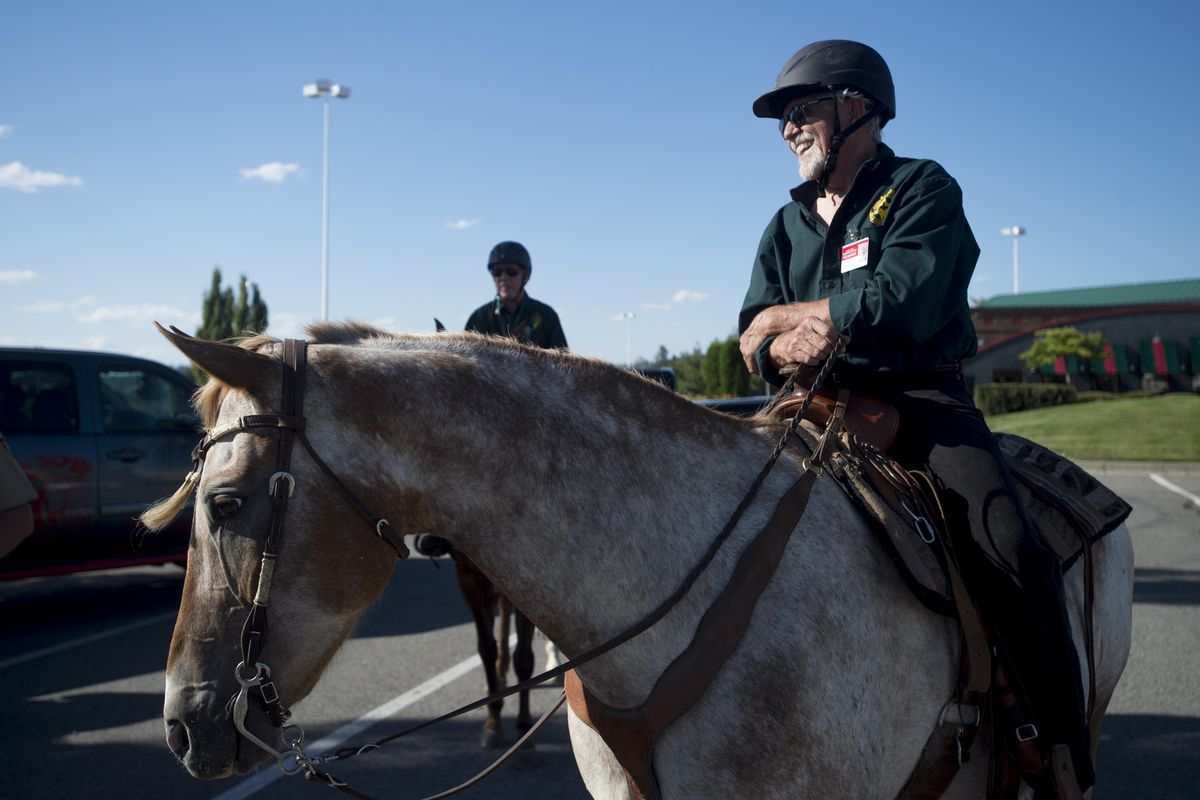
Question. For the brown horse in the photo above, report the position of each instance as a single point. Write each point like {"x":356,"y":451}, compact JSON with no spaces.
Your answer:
{"x":494,"y":615}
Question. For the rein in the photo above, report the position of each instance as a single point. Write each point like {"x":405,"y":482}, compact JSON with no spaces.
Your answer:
{"x":255,"y":676}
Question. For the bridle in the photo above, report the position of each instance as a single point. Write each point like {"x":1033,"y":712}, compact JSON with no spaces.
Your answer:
{"x":254,"y":676}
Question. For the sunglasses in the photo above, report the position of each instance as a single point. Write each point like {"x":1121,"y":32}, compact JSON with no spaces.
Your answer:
{"x":799,"y":114}
{"x":511,"y":272}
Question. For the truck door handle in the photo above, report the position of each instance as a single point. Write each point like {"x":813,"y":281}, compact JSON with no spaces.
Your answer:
{"x":126,"y":454}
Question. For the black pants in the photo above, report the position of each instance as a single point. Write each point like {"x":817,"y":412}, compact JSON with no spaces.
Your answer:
{"x":1013,"y":576}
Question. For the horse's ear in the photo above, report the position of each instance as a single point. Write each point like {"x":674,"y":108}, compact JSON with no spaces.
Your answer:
{"x":232,"y":365}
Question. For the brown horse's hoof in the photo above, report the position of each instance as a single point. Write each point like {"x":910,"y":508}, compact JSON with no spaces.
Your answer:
{"x":527,"y":757}
{"x":491,"y":739}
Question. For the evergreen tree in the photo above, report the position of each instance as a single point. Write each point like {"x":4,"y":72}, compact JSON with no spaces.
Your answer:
{"x":241,"y":308}
{"x":710,"y":369}
{"x":735,"y":379}
{"x":719,"y":371}
{"x":687,"y":366}
{"x":257,"y":318}
{"x":223,"y":317}
{"x":216,"y":315}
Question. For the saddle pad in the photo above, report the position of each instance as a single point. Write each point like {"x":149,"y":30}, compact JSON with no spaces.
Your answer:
{"x":1064,"y":501}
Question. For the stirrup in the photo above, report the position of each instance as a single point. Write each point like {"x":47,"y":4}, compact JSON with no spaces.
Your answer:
{"x":1062,"y":773}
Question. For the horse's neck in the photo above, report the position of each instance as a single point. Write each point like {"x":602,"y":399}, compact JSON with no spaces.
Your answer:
{"x":586,"y":496}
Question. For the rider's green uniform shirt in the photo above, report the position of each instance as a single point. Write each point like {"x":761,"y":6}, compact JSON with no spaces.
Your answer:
{"x":901,"y":297}
{"x":533,"y":322}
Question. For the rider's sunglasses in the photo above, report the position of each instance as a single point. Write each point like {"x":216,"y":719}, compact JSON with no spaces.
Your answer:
{"x":799,"y":114}
{"x":511,"y":272}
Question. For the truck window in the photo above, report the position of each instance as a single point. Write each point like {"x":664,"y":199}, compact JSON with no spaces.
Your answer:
{"x":38,"y":398}
{"x":139,"y":400}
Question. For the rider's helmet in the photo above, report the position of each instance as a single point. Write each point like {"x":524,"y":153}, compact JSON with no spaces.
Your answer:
{"x":830,"y":66}
{"x":510,"y":253}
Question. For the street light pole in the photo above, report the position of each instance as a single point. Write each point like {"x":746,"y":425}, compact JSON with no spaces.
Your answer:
{"x":627,"y":316}
{"x":1015,"y":233}
{"x":325,"y":90}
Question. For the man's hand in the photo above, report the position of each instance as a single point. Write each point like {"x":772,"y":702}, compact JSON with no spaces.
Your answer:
{"x":806,"y":345}
{"x":805,"y":335}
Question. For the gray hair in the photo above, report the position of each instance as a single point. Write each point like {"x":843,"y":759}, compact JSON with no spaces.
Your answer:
{"x":848,"y":93}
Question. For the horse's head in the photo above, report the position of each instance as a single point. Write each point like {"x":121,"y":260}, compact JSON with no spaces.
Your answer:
{"x":329,"y":568}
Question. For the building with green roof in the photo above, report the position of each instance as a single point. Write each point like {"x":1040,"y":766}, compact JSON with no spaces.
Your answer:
{"x":1153,"y":331}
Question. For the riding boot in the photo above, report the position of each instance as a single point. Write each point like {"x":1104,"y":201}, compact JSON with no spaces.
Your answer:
{"x":1032,"y":626}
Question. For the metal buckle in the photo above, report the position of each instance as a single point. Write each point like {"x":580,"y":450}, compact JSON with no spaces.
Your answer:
{"x":924,"y":527}
{"x":1026,"y":732}
{"x":275,"y":479}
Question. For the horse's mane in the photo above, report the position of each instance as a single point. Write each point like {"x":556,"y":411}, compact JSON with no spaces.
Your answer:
{"x":208,"y":398}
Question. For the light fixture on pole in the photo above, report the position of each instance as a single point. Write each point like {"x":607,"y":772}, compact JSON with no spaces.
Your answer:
{"x":325,"y":90}
{"x":627,"y":316}
{"x":1015,"y":233}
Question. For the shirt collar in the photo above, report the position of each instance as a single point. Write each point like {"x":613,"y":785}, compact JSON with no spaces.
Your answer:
{"x":500,"y":309}
{"x":806,"y":193}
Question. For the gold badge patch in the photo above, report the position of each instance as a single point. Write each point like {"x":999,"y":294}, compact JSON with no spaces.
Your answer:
{"x":880,"y":209}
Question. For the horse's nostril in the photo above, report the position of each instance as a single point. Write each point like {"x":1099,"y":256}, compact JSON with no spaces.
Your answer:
{"x":177,"y":738}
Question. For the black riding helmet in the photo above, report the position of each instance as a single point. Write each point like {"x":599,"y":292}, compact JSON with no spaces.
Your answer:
{"x":828,"y":66}
{"x":835,"y":63}
{"x":510,"y":253}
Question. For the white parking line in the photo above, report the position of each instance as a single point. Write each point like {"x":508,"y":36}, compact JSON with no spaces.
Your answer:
{"x":95,"y":637}
{"x":1166,"y":484}
{"x":255,"y":782}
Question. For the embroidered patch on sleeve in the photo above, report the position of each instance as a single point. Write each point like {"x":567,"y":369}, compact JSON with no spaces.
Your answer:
{"x":880,"y":209}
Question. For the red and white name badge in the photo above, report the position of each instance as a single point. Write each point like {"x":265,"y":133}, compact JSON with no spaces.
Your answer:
{"x":855,"y":254}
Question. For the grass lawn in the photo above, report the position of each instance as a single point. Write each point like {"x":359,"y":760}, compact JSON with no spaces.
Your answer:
{"x":1163,"y":428}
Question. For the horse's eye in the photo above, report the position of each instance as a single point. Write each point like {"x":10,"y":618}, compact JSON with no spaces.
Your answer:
{"x":225,"y":505}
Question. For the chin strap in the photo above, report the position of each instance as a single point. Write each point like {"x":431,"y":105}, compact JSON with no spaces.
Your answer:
{"x":839,"y":138}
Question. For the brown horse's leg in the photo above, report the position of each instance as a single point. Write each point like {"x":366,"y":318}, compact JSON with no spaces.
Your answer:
{"x":477,"y":591}
{"x":523,"y":667}
{"x":503,"y":617}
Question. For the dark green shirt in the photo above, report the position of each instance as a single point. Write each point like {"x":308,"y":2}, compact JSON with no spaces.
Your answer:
{"x":905,"y":309}
{"x":532,"y":323}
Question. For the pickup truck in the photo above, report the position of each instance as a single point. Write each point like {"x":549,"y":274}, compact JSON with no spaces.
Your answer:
{"x":100,"y":437}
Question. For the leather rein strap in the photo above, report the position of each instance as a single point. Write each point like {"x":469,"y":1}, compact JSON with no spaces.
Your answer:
{"x":631,"y":733}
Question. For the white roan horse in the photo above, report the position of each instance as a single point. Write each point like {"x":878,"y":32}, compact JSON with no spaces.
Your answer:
{"x":617,"y":489}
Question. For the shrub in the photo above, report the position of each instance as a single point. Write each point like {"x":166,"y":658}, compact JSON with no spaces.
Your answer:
{"x":1097,"y":396}
{"x":1005,"y":398}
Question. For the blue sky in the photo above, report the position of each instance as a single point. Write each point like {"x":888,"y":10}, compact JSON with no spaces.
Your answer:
{"x":614,"y":139}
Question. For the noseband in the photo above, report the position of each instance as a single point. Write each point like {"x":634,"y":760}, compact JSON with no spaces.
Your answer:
{"x":251,"y":673}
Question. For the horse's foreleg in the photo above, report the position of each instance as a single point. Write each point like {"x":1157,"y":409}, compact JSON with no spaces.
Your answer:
{"x":503,"y":607}
{"x":476,"y":591}
{"x":523,"y":665}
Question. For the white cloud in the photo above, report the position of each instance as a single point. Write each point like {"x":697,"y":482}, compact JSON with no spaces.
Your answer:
{"x":138,"y":314}
{"x":384,"y":322}
{"x":5,"y":130}
{"x":94,"y":343}
{"x":462,"y":224}
{"x":681,"y":297}
{"x":15,"y":175}
{"x":18,"y":276}
{"x":274,"y":172}
{"x":689,"y":296}
{"x":57,"y":306}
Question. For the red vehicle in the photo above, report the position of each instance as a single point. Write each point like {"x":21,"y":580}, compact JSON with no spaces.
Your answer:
{"x":100,"y":437}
